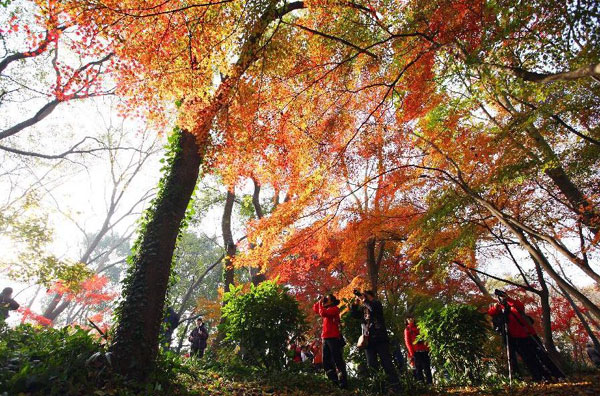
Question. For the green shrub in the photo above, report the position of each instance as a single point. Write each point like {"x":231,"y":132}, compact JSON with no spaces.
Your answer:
{"x":45,"y":360}
{"x":456,"y":335}
{"x":261,"y":321}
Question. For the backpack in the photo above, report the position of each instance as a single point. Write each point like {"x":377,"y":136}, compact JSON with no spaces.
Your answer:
{"x":498,"y":322}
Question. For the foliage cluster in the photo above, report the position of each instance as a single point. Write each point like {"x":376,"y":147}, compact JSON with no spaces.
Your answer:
{"x":261,"y":322}
{"x":46,"y":360}
{"x":73,"y":361}
{"x":456,"y":335}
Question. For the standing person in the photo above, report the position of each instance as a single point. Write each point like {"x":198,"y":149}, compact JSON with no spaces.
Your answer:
{"x":317,"y":350}
{"x":198,"y":338}
{"x":333,"y":358}
{"x":373,"y":326}
{"x":7,"y":303}
{"x":418,"y":351}
{"x":519,"y":332}
{"x":170,"y":323}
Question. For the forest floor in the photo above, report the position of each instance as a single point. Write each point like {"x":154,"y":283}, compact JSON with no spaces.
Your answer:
{"x":301,"y":385}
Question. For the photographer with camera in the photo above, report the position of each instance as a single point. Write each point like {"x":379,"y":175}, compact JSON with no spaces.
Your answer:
{"x":508,"y":316}
{"x":333,"y":358}
{"x":369,"y":310}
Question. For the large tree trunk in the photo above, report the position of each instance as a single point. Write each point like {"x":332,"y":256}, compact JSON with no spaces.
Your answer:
{"x":135,"y":344}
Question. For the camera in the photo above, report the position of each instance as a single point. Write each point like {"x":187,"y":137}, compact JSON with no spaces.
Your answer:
{"x":500,"y":293}
{"x":357,"y":292}
{"x":325,"y":299}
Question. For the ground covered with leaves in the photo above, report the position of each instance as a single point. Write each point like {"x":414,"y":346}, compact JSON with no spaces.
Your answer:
{"x":69,"y":361}
{"x":211,"y":383}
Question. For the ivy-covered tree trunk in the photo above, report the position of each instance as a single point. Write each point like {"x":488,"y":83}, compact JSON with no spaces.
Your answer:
{"x":135,"y":344}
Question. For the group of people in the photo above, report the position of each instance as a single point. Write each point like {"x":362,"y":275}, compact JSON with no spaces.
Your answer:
{"x":508,"y":316}
{"x":374,"y":340}
{"x":519,"y":337}
{"x":312,"y":353}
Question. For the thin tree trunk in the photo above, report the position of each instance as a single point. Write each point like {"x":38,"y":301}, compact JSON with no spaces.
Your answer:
{"x":37,"y":292}
{"x":547,"y":317}
{"x":478,"y":282}
{"x":578,"y":201}
{"x":535,"y":253}
{"x":195,"y":284}
{"x":372,"y":267}
{"x":182,"y":336}
{"x":230,"y":249}
{"x":581,"y":318}
{"x":256,"y":276}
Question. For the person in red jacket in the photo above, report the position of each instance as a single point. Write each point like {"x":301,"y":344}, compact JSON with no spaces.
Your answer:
{"x":418,"y":351}
{"x":520,"y":332}
{"x":317,"y":349}
{"x":333,"y":358}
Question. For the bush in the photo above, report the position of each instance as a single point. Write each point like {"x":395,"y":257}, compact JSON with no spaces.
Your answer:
{"x":261,"y":322}
{"x":45,"y":360}
{"x":456,"y":335}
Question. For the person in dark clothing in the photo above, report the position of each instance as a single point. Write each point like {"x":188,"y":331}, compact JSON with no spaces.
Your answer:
{"x":171,"y":321}
{"x":418,"y":351}
{"x":593,"y":353}
{"x":522,"y":337}
{"x":7,"y":303}
{"x":198,"y":338}
{"x":369,"y":309}
{"x":333,"y":357}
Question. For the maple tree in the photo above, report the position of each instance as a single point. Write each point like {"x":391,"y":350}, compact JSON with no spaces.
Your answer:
{"x":45,"y":38}
{"x":399,"y":135}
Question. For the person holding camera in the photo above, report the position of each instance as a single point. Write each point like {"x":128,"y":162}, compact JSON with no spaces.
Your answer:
{"x":333,"y":357}
{"x":518,"y":332}
{"x":369,"y":310}
{"x":198,"y":339}
{"x":418,"y":351}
